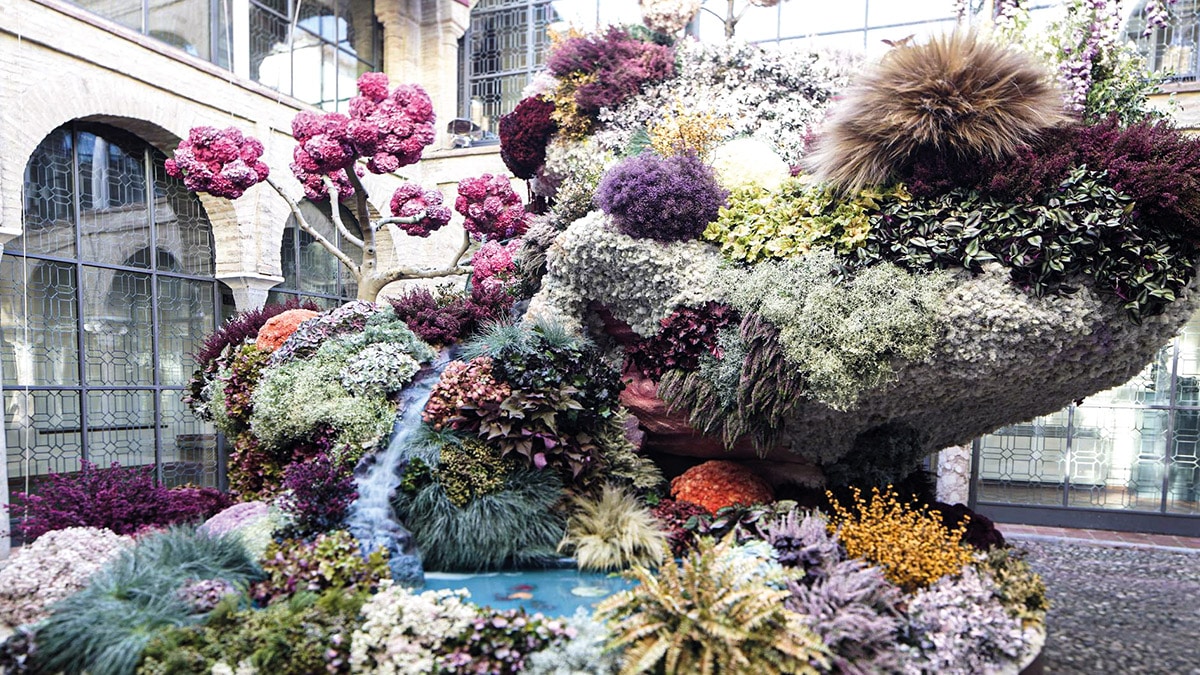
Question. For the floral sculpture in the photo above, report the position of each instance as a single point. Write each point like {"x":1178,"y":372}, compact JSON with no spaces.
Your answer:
{"x":221,"y":162}
{"x":901,"y":288}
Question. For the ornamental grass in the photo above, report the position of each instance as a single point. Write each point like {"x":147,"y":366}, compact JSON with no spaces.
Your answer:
{"x":910,"y":543}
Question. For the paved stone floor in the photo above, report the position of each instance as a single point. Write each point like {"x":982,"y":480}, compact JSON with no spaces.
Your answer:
{"x":1122,"y":602}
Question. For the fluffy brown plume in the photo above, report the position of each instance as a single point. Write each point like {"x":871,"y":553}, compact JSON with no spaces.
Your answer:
{"x":958,"y":95}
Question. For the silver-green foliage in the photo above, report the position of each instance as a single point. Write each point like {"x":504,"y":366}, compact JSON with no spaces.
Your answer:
{"x":845,"y":334}
{"x":516,"y":526}
{"x":379,"y":370}
{"x":104,"y":628}
{"x":582,"y":655}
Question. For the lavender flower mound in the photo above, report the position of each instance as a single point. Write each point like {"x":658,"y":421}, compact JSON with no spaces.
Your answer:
{"x":390,"y":129}
{"x":221,"y":162}
{"x":411,"y":200}
{"x":854,"y":610}
{"x":671,"y":199}
{"x":55,"y":566}
{"x":351,"y":317}
{"x":804,"y":543}
{"x":958,"y":627}
{"x":235,"y":518}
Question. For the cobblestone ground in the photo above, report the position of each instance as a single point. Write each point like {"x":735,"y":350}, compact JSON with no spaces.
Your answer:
{"x":1119,"y":610}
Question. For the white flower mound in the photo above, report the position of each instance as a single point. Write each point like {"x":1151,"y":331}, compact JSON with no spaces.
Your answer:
{"x":748,"y":162}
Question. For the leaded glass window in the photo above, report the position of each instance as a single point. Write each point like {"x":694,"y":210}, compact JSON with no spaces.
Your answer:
{"x":507,"y":43}
{"x":103,"y":299}
{"x":1172,"y":49}
{"x":310,"y":271}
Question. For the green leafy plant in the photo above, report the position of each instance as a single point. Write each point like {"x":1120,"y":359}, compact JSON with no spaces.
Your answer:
{"x":703,"y":616}
{"x":470,"y":469}
{"x":104,"y":628}
{"x":332,"y":560}
{"x":1019,"y":588}
{"x":613,"y":531}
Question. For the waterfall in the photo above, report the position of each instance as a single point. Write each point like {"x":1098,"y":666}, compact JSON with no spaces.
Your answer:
{"x":371,"y":520}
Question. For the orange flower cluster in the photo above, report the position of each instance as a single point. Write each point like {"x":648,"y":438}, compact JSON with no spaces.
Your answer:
{"x":280,"y":327}
{"x":716,"y":484}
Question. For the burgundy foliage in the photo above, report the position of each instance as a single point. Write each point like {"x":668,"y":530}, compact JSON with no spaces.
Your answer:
{"x":674,"y":517}
{"x":450,"y":317}
{"x":619,"y":64}
{"x":687,"y":334}
{"x":981,"y":532}
{"x":124,"y":500}
{"x":665,"y":199}
{"x":257,"y":473}
{"x":318,"y":494}
{"x":524,"y":134}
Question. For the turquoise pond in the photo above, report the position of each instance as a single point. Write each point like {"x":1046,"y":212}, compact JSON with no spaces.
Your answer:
{"x":553,"y":592}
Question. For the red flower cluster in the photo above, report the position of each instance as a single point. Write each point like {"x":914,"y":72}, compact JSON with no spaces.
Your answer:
{"x":524,"y":134}
{"x":280,"y":327}
{"x":674,"y":517}
{"x":221,"y":162}
{"x":717,"y":483}
{"x":391,"y":131}
{"x":411,"y":200}
{"x":492,"y":209}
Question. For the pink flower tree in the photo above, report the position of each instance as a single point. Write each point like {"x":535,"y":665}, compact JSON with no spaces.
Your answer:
{"x":387,"y":129}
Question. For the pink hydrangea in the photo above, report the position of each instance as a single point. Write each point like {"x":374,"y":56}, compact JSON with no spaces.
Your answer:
{"x":411,"y":200}
{"x":492,"y":209}
{"x":390,"y":130}
{"x":323,"y":148}
{"x":493,"y":264}
{"x":221,"y":162}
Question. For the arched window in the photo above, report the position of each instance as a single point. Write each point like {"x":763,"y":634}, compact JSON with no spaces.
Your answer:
{"x":311,"y":272}
{"x":103,"y":299}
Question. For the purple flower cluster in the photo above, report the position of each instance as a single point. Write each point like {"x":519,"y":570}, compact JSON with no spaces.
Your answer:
{"x":499,"y":642}
{"x":221,"y":162}
{"x":392,"y":130}
{"x":665,"y":199}
{"x":493,"y":263}
{"x":411,"y":200}
{"x":687,"y":335}
{"x":492,"y":209}
{"x":618,"y":63}
{"x":1092,"y":39}
{"x":124,"y":500}
{"x":524,"y":134}
{"x":318,"y":494}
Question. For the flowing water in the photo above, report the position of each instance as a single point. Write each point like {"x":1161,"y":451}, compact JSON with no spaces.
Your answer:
{"x":371,"y":520}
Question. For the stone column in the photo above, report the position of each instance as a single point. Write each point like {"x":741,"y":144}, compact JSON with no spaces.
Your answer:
{"x":401,"y":39}
{"x":954,"y":474}
{"x":6,"y":235}
{"x":249,"y":290}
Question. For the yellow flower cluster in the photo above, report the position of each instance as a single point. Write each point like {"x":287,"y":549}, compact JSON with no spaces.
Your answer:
{"x":687,"y":130}
{"x":571,"y":122}
{"x":908,"y":542}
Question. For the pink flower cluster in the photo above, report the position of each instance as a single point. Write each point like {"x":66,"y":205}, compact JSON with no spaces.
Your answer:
{"x":323,"y":148}
{"x":392,"y":130}
{"x":492,"y":209}
{"x":221,"y":162}
{"x":411,"y":200}
{"x":493,"y":264}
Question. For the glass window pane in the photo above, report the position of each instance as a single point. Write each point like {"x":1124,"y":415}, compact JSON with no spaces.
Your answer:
{"x":42,"y":434}
{"x":1183,"y":473}
{"x":39,"y":322}
{"x":181,"y":225}
{"x":125,"y":12}
{"x":113,"y":219}
{"x":121,"y":427}
{"x":189,"y":452}
{"x":1024,"y":463}
{"x":185,"y":318}
{"x":117,"y":325}
{"x":269,"y":62}
{"x":1117,"y":458}
{"x":49,"y":205}
{"x":183,"y":24}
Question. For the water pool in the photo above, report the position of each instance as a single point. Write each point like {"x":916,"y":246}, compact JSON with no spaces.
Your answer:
{"x":553,"y":592}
